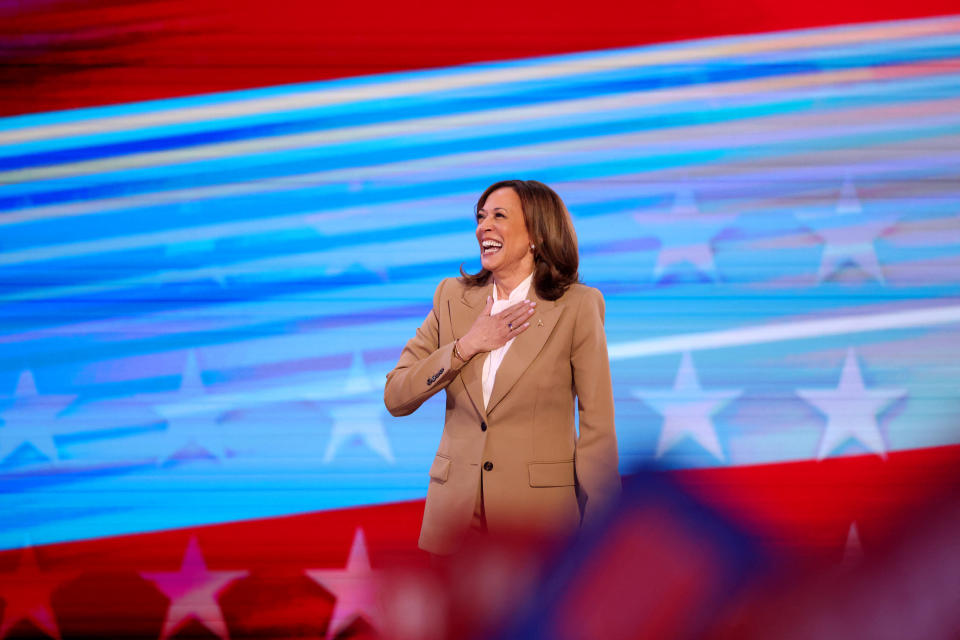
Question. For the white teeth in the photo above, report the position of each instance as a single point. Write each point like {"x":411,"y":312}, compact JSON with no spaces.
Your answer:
{"x":491,"y":246}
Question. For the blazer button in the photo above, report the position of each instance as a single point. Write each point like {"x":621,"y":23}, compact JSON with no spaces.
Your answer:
{"x":483,"y":426}
{"x":488,"y":466}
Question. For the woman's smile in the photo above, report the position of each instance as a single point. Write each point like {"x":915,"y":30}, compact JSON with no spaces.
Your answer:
{"x":489,"y":246}
{"x":503,"y":236}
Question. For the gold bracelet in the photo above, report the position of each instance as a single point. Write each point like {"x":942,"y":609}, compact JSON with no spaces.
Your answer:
{"x":456,"y":350}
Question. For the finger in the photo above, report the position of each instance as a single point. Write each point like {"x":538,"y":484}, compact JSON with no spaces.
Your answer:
{"x":523,"y":305}
{"x":486,"y":309}
{"x":518,"y":315}
{"x":518,"y":329}
{"x":516,"y":311}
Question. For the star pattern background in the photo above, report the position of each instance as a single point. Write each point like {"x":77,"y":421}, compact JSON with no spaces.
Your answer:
{"x":30,"y":422}
{"x":687,"y":410}
{"x":200,"y":299}
{"x":851,"y":410}
{"x":193,"y":592}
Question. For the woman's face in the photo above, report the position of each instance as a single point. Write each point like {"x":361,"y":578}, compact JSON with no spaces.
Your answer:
{"x":502,"y":234}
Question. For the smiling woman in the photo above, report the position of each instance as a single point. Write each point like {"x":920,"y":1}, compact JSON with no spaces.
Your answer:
{"x":521,"y":213}
{"x":505,"y":245}
{"x":519,"y":348}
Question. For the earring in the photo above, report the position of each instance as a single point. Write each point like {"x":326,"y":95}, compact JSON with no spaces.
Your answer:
{"x":532,"y":246}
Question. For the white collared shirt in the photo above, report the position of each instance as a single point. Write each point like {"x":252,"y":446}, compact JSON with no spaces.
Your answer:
{"x":495,"y":358}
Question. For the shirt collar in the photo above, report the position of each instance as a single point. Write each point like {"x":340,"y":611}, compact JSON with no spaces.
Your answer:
{"x":519,"y":292}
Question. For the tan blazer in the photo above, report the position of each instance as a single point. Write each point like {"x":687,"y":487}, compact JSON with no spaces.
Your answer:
{"x":525,"y":442}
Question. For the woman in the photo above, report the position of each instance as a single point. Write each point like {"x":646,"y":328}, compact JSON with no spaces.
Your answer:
{"x":513,"y":346}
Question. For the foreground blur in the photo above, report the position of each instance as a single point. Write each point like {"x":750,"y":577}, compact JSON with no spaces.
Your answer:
{"x":666,"y":566}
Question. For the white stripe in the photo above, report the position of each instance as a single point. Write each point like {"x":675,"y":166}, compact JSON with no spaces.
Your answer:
{"x":608,"y":105}
{"x":820,"y":163}
{"x":474,"y":78}
{"x":775,"y":128}
{"x":634,"y":102}
{"x":671,"y":344}
{"x":278,"y":268}
{"x":763,"y":334}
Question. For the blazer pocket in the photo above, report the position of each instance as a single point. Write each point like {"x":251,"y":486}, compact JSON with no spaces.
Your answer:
{"x":440,"y":469}
{"x":552,"y":474}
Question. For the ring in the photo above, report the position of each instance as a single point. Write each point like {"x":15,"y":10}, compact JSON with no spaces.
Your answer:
{"x":510,"y":326}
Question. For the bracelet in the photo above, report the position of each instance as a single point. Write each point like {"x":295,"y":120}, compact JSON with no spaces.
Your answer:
{"x":456,"y":350}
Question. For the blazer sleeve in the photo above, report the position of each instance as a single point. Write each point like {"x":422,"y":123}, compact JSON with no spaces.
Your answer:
{"x":595,"y":457}
{"x":425,"y":366}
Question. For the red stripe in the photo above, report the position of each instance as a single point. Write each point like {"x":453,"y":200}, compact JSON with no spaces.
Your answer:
{"x":806,"y":506}
{"x":311,"y":540}
{"x":72,"y":53}
{"x":802,"y":509}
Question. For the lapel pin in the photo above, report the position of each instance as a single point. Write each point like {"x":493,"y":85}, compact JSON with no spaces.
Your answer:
{"x":539,"y":323}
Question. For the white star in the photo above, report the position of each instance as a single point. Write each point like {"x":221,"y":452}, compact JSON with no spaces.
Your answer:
{"x":685,"y":235}
{"x":341,"y":265}
{"x":364,"y":422}
{"x":687,"y":409}
{"x":849,"y":201}
{"x":851,"y":244}
{"x":355,"y":588}
{"x":30,"y":419}
{"x":358,"y":382}
{"x":685,"y":203}
{"x":851,"y":410}
{"x":191,"y":416}
{"x":848,"y":235}
{"x":361,"y":420}
{"x":193,"y":592}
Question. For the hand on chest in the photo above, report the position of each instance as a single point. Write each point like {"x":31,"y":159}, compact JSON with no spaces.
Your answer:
{"x":542,"y":342}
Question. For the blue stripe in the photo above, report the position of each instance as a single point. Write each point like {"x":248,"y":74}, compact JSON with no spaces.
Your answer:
{"x":394,"y":110}
{"x":877,"y":93}
{"x":870,"y":52}
{"x":380,"y":111}
{"x":380,"y":153}
{"x":139,"y":108}
{"x":350,"y":280}
{"x":86,"y":269}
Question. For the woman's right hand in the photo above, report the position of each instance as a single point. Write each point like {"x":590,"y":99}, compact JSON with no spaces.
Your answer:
{"x":491,"y":332}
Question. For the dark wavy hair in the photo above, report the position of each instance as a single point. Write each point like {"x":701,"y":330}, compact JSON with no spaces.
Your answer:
{"x":555,"y":256}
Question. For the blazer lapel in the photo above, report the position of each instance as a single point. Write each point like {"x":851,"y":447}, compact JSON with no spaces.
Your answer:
{"x":463,"y":311}
{"x":525,"y":347}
